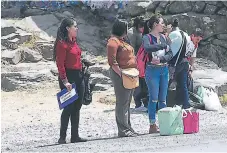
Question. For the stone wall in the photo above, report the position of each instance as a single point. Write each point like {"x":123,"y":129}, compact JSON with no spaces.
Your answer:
{"x":209,"y":16}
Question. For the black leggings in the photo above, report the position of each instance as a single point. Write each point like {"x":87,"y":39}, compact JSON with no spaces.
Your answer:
{"x":72,"y":111}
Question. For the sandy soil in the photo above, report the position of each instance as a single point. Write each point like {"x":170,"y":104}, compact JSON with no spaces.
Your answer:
{"x":30,"y":122}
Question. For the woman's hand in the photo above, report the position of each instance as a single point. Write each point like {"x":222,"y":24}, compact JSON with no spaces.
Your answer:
{"x":117,"y":69}
{"x":68,"y":86}
{"x":156,"y":60}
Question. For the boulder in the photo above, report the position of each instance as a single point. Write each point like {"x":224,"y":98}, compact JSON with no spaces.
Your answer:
{"x":199,"y":7}
{"x":136,"y":8}
{"x":221,"y":43}
{"x":223,"y":12}
{"x":11,"y":12}
{"x":210,"y":25}
{"x":33,"y":12}
{"x":214,"y":53}
{"x":45,"y":26}
{"x":31,"y":55}
{"x":25,"y":79}
{"x":7,"y":28}
{"x":68,"y":14}
{"x":12,"y":57}
{"x":46,"y":50}
{"x":222,"y":36}
{"x":23,"y":36}
{"x":225,"y":3}
{"x":97,"y":78}
{"x":13,"y":40}
{"x":210,"y":9}
{"x":103,"y":69}
{"x":159,"y":10}
{"x":180,"y":7}
{"x":152,"y":6}
{"x":8,"y":85}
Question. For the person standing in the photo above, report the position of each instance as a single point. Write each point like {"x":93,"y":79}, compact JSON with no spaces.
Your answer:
{"x":121,"y":57}
{"x":135,"y":37}
{"x":185,"y":63}
{"x":67,"y":55}
{"x":156,"y":73}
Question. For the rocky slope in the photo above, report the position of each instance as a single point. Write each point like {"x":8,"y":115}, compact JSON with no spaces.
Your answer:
{"x":27,"y":43}
{"x":27,"y":48}
{"x":209,"y":16}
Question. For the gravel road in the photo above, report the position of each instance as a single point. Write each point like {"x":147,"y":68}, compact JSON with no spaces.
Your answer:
{"x":30,"y":123}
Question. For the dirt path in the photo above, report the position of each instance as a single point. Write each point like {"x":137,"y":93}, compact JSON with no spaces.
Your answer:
{"x":30,"y":122}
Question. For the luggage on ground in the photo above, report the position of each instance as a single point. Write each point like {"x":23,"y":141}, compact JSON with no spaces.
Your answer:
{"x":191,"y":121}
{"x":170,"y":121}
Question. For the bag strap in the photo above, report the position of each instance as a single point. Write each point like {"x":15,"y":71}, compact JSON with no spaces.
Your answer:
{"x":150,"y":39}
{"x":183,"y":37}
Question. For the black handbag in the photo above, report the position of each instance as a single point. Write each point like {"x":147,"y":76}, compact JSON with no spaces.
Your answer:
{"x":87,"y":99}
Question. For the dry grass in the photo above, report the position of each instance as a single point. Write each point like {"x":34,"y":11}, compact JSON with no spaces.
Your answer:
{"x":223,"y":99}
{"x":31,"y":43}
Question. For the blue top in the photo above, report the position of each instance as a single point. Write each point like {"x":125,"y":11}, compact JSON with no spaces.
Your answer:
{"x":154,"y":47}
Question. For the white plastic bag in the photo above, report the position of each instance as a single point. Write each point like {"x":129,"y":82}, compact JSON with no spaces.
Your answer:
{"x":211,"y":100}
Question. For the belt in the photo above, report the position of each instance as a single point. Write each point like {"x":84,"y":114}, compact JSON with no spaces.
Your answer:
{"x":158,"y":65}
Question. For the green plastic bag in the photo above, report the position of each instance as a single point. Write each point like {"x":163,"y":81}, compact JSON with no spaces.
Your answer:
{"x":170,"y":121}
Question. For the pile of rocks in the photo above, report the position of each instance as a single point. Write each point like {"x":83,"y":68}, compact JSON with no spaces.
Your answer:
{"x":27,"y":50}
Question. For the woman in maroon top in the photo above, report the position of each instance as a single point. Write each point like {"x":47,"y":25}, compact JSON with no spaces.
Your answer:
{"x":67,"y":55}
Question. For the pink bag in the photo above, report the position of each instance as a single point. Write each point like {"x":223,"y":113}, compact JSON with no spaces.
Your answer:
{"x":191,"y":122}
{"x":142,"y":58}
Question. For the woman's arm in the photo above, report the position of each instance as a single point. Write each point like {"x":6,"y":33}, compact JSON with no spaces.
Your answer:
{"x":112,"y":47}
{"x":60,"y":61}
{"x":167,"y":57}
{"x":152,"y":47}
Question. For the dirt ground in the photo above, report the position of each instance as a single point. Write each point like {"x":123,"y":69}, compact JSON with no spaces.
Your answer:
{"x":30,"y":122}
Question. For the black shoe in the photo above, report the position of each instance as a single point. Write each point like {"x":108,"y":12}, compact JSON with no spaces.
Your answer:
{"x":61,"y":141}
{"x":78,"y":139}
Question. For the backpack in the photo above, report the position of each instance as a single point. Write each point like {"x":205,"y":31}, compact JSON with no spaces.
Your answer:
{"x":88,"y":88}
{"x":142,"y":58}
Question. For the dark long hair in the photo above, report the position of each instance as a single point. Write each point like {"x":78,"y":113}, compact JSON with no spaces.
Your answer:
{"x":62,"y":33}
{"x":138,"y":22}
{"x":119,"y":28}
{"x":175,"y":23}
{"x":148,"y":25}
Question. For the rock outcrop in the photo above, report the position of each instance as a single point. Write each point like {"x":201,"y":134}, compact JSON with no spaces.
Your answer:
{"x":27,"y":43}
{"x":209,"y":16}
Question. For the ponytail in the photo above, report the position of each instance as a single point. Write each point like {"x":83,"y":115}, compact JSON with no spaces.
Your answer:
{"x":150,"y":23}
{"x":146,"y":27}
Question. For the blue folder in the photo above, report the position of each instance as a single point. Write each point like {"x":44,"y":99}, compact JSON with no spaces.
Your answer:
{"x":65,"y":98}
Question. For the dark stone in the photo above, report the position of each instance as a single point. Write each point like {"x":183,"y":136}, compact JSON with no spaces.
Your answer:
{"x":199,"y":7}
{"x":180,"y":7}
{"x":153,"y":6}
{"x":11,"y":13}
{"x":221,"y":43}
{"x":222,"y":36}
{"x":214,"y":53}
{"x":223,"y":12}
{"x":210,"y":9}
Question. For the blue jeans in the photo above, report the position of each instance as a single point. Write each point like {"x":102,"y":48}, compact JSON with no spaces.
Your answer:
{"x":182,"y":87}
{"x":157,"y":78}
